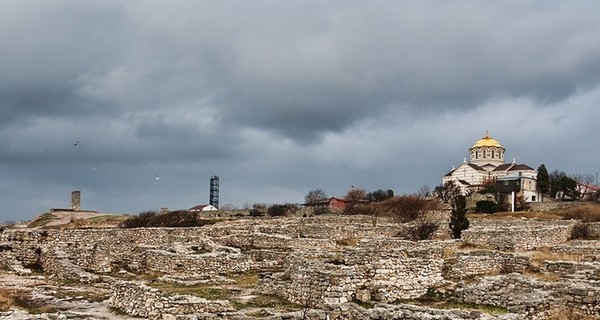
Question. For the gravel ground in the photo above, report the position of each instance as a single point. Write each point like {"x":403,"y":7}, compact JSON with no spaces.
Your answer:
{"x":57,"y":300}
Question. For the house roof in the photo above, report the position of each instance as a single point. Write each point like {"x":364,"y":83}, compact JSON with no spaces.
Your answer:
{"x":326,"y":201}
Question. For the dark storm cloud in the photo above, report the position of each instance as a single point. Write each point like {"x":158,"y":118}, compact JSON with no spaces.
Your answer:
{"x":281,"y":96}
{"x":342,"y":63}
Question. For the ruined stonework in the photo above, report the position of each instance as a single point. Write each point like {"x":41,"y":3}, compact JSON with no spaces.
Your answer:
{"x":139,"y":300}
{"x":518,"y":235}
{"x":76,"y":200}
{"x":336,"y":267}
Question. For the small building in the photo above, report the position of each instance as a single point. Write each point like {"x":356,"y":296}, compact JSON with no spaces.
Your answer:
{"x":202,"y":207}
{"x":333,"y":203}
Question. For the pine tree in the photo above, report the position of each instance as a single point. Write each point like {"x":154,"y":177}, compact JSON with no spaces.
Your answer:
{"x":543,"y":179}
{"x":459,"y":220}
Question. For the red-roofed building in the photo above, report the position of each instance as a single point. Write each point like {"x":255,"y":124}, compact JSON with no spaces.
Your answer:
{"x":333,"y":202}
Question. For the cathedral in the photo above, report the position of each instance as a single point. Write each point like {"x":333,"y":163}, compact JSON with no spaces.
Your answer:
{"x":486,"y":165}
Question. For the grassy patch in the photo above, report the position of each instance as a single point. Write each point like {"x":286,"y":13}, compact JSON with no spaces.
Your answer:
{"x":246,"y":280}
{"x":544,"y":254}
{"x":541,"y":216}
{"x":42,"y":220}
{"x":345,"y":242}
{"x":202,"y":291}
{"x":266,"y":301}
{"x":489,"y":309}
{"x":585,"y":213}
{"x":434,"y":299}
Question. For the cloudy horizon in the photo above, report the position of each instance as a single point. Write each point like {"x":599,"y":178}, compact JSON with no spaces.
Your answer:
{"x":281,"y":97}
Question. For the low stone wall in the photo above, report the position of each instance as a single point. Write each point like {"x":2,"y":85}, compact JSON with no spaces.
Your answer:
{"x":139,"y":300}
{"x":484,"y":262}
{"x":57,"y":263}
{"x":517,"y":235}
{"x":531,"y":298}
{"x":593,"y":229}
{"x":551,"y":205}
{"x":582,"y":250}
{"x":585,"y":271}
{"x":357,"y":273}
{"x":197,"y":264}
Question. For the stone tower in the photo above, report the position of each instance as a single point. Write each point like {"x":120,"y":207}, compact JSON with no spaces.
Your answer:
{"x":76,"y":200}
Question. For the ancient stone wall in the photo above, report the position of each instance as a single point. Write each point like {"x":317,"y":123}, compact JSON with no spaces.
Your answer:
{"x":484,"y":262}
{"x":593,"y":229}
{"x":517,"y":235}
{"x":140,"y":300}
{"x":381,"y":274}
{"x":529,"y":297}
{"x":582,"y":250}
{"x":205,"y":264}
{"x":553,"y":205}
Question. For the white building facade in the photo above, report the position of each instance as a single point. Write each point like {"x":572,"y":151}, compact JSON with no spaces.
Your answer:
{"x":486,"y":166}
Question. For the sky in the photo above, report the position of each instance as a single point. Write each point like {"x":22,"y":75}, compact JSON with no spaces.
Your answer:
{"x":280,"y":97}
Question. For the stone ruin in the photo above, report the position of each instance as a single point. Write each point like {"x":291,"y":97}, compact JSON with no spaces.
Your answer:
{"x":325,"y":267}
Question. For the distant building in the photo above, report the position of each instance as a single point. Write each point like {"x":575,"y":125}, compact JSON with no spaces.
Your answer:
{"x":333,"y":203}
{"x":486,"y":166}
{"x":202,"y":207}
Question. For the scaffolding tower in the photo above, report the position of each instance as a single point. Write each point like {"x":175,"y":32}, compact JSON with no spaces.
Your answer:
{"x":214,"y":191}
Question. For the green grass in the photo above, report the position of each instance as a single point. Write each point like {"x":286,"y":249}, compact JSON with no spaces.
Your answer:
{"x":203,"y":291}
{"x":42,"y":220}
{"x":246,"y":280}
{"x":266,"y":301}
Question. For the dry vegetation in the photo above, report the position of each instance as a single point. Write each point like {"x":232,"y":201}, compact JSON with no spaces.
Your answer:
{"x":586,"y":213}
{"x":23,"y":299}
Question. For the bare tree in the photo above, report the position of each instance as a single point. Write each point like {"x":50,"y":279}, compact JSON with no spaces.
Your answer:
{"x":355,"y":195}
{"x":424,"y":191}
{"x":584,"y":183}
{"x":409,"y":207}
{"x":314,"y":196}
{"x":447,"y":191}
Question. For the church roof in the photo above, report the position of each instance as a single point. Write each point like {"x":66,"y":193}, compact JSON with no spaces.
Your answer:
{"x":504,"y":167}
{"x":474,"y":166}
{"x":521,"y":167}
{"x":487,"y":141}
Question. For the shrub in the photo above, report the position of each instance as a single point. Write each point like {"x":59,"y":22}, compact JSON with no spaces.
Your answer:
{"x":409,"y":207}
{"x":486,"y":206}
{"x":458,"y":218}
{"x":256,"y":213}
{"x":180,"y":218}
{"x":277,"y":210}
{"x":585,"y":213}
{"x":581,"y":231}
{"x":358,"y":209}
{"x":321,"y":210}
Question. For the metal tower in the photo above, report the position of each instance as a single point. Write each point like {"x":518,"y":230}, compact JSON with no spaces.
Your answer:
{"x":214,"y":191}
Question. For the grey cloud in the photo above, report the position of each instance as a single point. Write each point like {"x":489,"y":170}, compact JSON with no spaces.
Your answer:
{"x":284,"y":93}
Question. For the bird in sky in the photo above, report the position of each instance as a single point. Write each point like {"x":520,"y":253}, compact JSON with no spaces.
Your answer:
{"x":76,"y":143}
{"x":157,"y":178}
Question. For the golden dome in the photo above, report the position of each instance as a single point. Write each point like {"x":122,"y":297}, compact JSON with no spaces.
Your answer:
{"x":487,"y":141}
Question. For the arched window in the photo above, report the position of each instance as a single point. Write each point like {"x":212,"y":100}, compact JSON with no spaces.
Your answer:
{"x":493,"y":154}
